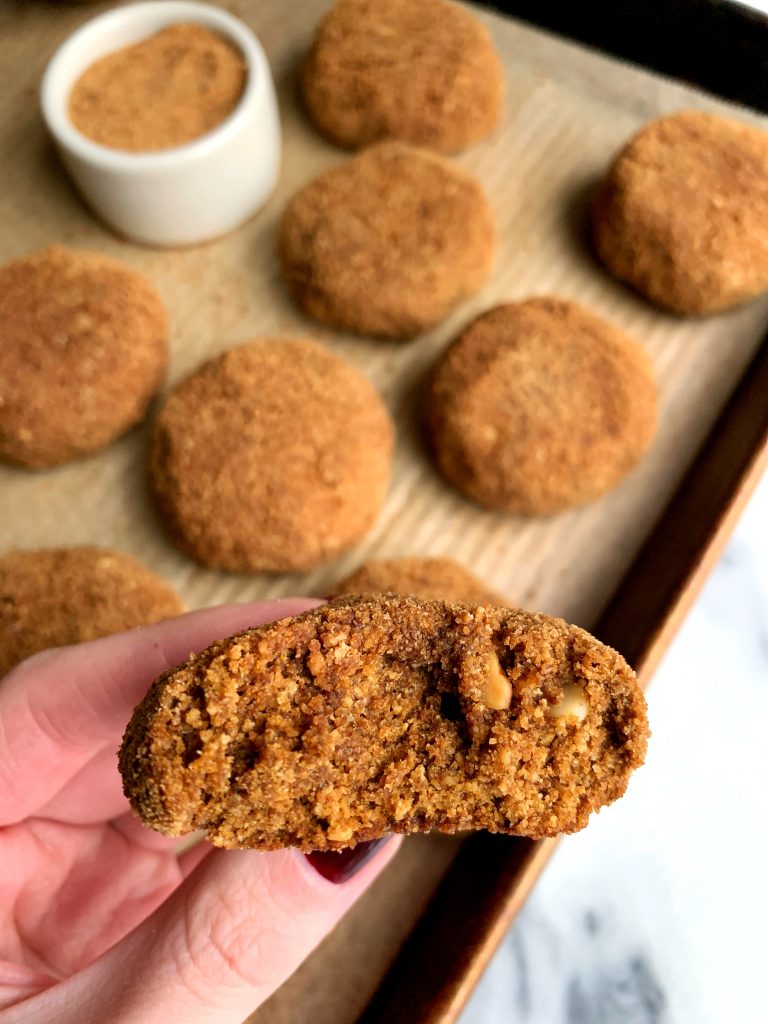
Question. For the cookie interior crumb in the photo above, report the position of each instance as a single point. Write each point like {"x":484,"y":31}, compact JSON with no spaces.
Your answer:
{"x":379,"y":714}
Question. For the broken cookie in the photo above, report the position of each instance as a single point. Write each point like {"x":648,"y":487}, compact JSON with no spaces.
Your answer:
{"x":378,"y":714}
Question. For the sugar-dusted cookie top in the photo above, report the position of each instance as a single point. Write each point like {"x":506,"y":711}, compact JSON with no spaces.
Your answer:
{"x":58,"y":596}
{"x":428,"y":577}
{"x":386,"y":243}
{"x":538,"y":406}
{"x":682,"y":213}
{"x":421,"y":71}
{"x":274,"y":456}
{"x":83,"y":347}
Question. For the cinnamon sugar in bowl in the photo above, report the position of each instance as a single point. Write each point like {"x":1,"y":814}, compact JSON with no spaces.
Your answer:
{"x":161,"y":92}
{"x":164,"y":114}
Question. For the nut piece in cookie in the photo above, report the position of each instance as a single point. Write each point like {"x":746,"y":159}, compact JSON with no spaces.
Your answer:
{"x":539,"y":406}
{"x":274,"y":456}
{"x":59,"y":596}
{"x":430,"y":578}
{"x":378,"y":714}
{"x":386,"y":243}
{"x":682,"y":214}
{"x":83,"y":348}
{"x":421,"y":71}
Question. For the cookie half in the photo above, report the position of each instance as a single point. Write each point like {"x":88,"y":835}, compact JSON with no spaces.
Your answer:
{"x":274,"y":456}
{"x":682,"y":214}
{"x":83,"y":348}
{"x":421,"y":71}
{"x":539,"y":406}
{"x":387,"y":243}
{"x":386,"y":714}
{"x":59,"y":596}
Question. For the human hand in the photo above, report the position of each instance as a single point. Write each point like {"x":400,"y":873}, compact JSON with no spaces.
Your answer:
{"x":100,"y":918}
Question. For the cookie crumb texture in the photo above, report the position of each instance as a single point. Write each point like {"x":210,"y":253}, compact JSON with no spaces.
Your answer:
{"x":682,"y":214}
{"x":59,"y":596}
{"x":83,"y":347}
{"x":274,"y":456}
{"x":539,"y":406}
{"x":421,"y":71}
{"x":374,"y":715}
{"x":386,"y":243}
{"x":429,"y":578}
{"x":161,"y":92}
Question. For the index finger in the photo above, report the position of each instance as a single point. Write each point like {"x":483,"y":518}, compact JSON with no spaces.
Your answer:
{"x":59,"y":708}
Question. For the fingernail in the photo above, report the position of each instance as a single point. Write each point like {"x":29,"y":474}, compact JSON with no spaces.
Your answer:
{"x":340,"y":865}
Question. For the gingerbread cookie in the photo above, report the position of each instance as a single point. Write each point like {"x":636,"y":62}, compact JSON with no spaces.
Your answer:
{"x":59,"y":596}
{"x":682,"y":214}
{"x":83,"y":347}
{"x":421,"y":71}
{"x":539,"y":406}
{"x":429,"y":578}
{"x":386,"y":243}
{"x":273,"y":456}
{"x":386,"y":714}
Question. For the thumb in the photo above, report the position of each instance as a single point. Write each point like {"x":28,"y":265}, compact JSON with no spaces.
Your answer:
{"x":231,"y":934}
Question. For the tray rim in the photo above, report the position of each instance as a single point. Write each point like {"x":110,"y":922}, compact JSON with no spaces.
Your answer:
{"x":446,"y":952}
{"x":488,"y":882}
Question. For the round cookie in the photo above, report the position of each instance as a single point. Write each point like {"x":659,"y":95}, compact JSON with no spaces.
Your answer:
{"x":421,"y":71}
{"x":59,"y":596}
{"x":539,"y":406}
{"x":682,"y":214}
{"x":83,"y":347}
{"x":274,"y":456}
{"x":432,"y":579}
{"x":386,"y":243}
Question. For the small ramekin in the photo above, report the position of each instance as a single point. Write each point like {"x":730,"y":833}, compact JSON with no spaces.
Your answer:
{"x":173,"y":197}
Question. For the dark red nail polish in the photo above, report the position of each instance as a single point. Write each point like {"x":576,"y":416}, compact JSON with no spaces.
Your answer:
{"x":340,"y":865}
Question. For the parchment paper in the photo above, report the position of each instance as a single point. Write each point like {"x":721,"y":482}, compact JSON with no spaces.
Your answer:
{"x":567,"y":111}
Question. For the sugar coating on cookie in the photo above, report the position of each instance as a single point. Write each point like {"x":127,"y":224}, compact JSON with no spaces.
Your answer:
{"x":273,"y":456}
{"x":386,"y":243}
{"x":57,"y":596}
{"x":373,"y":715}
{"x":539,"y":406}
{"x":427,"y":577}
{"x":421,"y":71}
{"x":682,"y":213}
{"x":83,"y":347}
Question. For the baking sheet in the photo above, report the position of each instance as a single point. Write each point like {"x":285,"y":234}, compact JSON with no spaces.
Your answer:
{"x":567,"y":111}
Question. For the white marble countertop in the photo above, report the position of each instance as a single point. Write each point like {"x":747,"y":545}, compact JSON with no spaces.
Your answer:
{"x":658,"y":912}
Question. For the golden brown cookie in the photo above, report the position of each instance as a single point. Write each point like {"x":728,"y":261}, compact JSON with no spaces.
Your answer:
{"x":538,"y":406}
{"x":386,"y":243}
{"x":59,"y":596}
{"x":83,"y":347}
{"x":386,"y":714}
{"x":682,"y":214}
{"x":421,"y":71}
{"x":273,"y":456}
{"x":429,"y":578}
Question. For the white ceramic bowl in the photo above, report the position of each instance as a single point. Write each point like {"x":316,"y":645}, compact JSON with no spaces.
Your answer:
{"x":179,"y":196}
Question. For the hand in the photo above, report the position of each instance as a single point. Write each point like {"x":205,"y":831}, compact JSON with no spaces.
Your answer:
{"x":100,"y":918}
